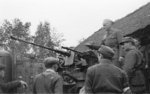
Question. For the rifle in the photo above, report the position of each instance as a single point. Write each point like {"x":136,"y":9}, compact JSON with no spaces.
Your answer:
{"x":55,"y":50}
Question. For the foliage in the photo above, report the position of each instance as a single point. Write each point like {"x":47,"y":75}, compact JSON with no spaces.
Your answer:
{"x":43,"y":37}
{"x":57,"y":38}
{"x":18,"y":29}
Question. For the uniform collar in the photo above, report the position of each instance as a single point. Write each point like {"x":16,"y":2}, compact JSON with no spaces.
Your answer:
{"x":50,"y":70}
{"x":105,"y":61}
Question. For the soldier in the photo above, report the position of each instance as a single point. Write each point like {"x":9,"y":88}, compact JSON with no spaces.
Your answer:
{"x":133,"y":65}
{"x":112,"y":38}
{"x":105,"y":78}
{"x":90,"y":56}
{"x":48,"y":82}
{"x":5,"y":87}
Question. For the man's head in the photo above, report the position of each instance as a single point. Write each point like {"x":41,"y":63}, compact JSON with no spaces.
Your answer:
{"x":107,"y":24}
{"x":2,"y":70}
{"x":106,"y":52}
{"x":128,"y":42}
{"x":51,"y":62}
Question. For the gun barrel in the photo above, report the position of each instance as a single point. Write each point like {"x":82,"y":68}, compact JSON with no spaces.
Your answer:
{"x":57,"y":51}
{"x":71,"y":50}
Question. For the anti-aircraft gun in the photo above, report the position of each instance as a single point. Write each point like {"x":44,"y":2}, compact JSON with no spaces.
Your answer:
{"x":70,"y":74}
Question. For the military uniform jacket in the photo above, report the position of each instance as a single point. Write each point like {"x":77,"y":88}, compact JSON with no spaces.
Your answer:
{"x":105,"y":78}
{"x":48,"y":82}
{"x":133,"y":58}
{"x":113,"y":40}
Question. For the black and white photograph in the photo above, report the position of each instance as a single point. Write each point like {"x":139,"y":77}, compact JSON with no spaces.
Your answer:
{"x":74,"y":46}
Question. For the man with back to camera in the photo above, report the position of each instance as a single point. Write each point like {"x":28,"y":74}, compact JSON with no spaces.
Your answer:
{"x":105,"y":77}
{"x":48,"y":82}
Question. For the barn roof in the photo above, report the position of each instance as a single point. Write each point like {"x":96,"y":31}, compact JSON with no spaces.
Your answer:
{"x":128,"y":24}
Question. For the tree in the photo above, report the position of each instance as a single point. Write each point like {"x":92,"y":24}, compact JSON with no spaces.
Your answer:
{"x":17,"y":29}
{"x":43,"y":37}
{"x":57,"y":38}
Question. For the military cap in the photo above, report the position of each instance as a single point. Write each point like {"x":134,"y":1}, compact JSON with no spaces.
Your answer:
{"x":50,"y":61}
{"x":106,"y":51}
{"x":126,"y":40}
{"x":107,"y":21}
{"x":2,"y":67}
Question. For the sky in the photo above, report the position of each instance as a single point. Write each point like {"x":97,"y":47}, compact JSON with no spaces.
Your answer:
{"x":75,"y":19}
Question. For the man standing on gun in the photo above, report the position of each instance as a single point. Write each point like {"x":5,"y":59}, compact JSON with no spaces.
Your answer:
{"x":113,"y":38}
